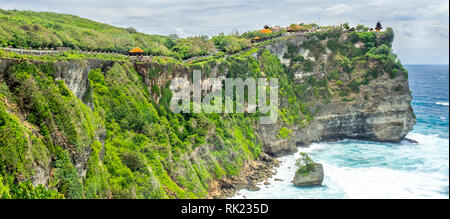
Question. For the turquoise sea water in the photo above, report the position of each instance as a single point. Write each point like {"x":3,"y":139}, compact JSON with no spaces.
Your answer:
{"x":364,"y":169}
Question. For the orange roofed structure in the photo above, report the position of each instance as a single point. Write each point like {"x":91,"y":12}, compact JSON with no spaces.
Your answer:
{"x":266,"y":31}
{"x":294,"y":28}
{"x":255,"y":39}
{"x":136,"y":52}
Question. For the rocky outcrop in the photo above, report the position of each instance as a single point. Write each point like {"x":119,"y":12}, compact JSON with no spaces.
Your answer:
{"x":75,"y":74}
{"x":309,"y":173}
{"x":272,"y":144}
{"x":279,"y":48}
{"x":380,"y":111}
{"x":155,"y":74}
{"x":252,"y":173}
{"x":385,"y":114}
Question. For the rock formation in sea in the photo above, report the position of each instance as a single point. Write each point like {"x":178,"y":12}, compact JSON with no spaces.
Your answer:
{"x":308,"y":173}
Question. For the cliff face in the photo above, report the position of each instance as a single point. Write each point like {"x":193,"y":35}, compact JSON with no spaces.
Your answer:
{"x":386,"y":115}
{"x":379,"y":114}
{"x":101,"y":129}
{"x":380,"y":110}
{"x":22,"y":96}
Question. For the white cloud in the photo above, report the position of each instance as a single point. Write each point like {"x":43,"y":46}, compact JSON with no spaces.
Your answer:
{"x":436,"y":9}
{"x":181,"y":33}
{"x":341,"y":9}
{"x":380,"y":3}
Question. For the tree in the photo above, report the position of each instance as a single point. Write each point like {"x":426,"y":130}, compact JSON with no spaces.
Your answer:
{"x":346,"y":26}
{"x":173,"y":36}
{"x":359,"y":27}
{"x":26,"y":190}
{"x":386,"y":37}
{"x":131,"y":30}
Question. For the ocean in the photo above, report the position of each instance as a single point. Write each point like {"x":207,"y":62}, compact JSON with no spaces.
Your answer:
{"x":365,"y":169}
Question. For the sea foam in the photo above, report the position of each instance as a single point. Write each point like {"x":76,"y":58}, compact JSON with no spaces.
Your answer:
{"x":362,"y":169}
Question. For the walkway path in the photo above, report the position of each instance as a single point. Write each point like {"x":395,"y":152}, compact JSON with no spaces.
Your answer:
{"x":56,"y":52}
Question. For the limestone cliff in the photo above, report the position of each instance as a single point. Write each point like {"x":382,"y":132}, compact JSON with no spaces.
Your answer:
{"x":379,"y":109}
{"x":381,"y":112}
{"x":75,"y":77}
{"x":102,"y":128}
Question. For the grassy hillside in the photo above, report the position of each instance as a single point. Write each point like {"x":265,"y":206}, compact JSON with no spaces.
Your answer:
{"x":45,"y":29}
{"x":30,"y":29}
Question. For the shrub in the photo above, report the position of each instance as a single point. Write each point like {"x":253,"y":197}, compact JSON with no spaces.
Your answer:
{"x":298,"y":58}
{"x":66,"y":175}
{"x":166,"y":96}
{"x":354,"y":86}
{"x":386,"y":37}
{"x":230,"y":43}
{"x":308,"y":65}
{"x":132,"y":160}
{"x":333,"y":45}
{"x":26,"y":190}
{"x":284,"y":133}
{"x":334,"y":75}
{"x":304,"y":164}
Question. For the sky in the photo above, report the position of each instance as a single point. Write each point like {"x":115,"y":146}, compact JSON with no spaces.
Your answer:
{"x":421,"y":26}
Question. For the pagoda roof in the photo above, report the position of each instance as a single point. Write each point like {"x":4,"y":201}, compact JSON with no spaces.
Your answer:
{"x":137,"y":50}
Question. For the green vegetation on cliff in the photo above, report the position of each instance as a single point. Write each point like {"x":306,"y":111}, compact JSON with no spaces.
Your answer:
{"x":231,"y":43}
{"x":28,"y":29}
{"x":353,"y":59}
{"x":46,"y":29}
{"x":120,"y":140}
{"x":147,"y":151}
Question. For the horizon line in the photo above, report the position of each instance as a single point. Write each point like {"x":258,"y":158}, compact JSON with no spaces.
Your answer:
{"x":426,"y":64}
